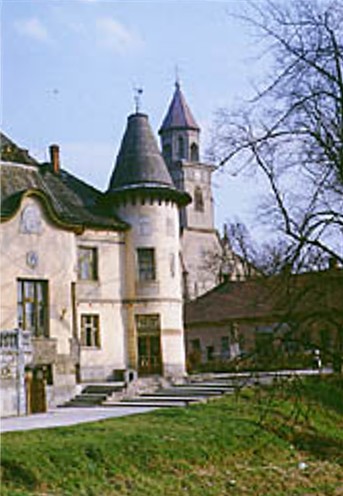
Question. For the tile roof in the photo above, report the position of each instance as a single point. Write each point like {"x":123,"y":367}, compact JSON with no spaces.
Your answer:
{"x":179,"y":115}
{"x":140,"y":165}
{"x":11,"y":152}
{"x":68,"y":201}
{"x":262,"y":298}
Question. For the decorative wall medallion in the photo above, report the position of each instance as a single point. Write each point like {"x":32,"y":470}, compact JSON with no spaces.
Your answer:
{"x":32,"y":259}
{"x":31,"y":220}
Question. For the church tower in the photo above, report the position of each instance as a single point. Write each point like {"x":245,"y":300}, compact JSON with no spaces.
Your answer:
{"x":142,"y":193}
{"x":180,"y":140}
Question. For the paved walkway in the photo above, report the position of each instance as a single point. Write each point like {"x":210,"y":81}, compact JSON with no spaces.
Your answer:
{"x":72,"y":415}
{"x":67,"y":416}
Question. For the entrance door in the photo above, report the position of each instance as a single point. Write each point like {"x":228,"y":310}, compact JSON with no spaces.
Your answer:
{"x":149,"y":344}
{"x":35,"y":391}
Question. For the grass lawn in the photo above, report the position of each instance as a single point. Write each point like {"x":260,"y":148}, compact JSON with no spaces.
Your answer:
{"x":281,"y":441}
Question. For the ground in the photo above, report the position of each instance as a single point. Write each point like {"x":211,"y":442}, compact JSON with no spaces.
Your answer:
{"x":281,"y":441}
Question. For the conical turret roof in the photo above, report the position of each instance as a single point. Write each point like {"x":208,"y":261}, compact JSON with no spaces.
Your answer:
{"x":179,"y":115}
{"x":140,"y":165}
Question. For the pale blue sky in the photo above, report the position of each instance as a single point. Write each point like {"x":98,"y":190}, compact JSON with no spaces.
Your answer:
{"x":69,"y":68}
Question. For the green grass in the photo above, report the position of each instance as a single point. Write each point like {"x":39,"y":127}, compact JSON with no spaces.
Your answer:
{"x":249,"y":444}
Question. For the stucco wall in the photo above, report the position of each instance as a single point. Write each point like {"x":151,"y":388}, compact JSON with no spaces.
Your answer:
{"x":104,"y":298}
{"x":156,"y":226}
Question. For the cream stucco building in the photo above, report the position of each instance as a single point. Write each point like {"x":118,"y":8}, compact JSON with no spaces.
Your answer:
{"x":94,"y":282}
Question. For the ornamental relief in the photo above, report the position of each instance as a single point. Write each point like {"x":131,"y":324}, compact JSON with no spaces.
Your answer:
{"x":31,"y":220}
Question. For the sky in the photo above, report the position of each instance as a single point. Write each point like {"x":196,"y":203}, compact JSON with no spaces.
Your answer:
{"x":69,"y":69}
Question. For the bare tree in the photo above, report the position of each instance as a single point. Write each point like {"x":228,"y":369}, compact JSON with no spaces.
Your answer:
{"x":293,"y":130}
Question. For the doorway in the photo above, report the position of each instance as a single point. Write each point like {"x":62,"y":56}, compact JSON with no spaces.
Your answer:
{"x":35,"y":386}
{"x":149,"y":344}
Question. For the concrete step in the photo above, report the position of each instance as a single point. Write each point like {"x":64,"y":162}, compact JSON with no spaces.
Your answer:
{"x":198,"y":391}
{"x":163,"y":399}
{"x":95,"y":394}
{"x":145,"y":403}
{"x":167,"y":397}
{"x":181,"y":394}
{"x":220,"y":385}
{"x":102,"y":389}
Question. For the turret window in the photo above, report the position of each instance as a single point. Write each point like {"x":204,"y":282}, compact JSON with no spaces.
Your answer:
{"x":198,"y":200}
{"x":146,"y":264}
{"x":194,"y":153}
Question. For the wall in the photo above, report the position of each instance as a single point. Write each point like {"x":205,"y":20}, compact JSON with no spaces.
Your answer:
{"x":156,"y":226}
{"x":104,"y":297}
{"x":33,"y":248}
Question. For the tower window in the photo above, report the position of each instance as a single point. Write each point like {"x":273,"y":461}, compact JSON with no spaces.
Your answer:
{"x":194,"y":152}
{"x":198,"y":200}
{"x":146,"y":264}
{"x":181,"y":147}
{"x":167,"y":152}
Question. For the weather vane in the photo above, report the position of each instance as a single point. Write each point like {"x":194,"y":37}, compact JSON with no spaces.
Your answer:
{"x":177,"y":75}
{"x":138,"y":98}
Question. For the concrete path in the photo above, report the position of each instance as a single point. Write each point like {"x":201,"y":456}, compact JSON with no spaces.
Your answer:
{"x":67,"y":416}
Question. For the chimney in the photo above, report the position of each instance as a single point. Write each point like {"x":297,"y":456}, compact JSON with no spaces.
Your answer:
{"x":55,"y":158}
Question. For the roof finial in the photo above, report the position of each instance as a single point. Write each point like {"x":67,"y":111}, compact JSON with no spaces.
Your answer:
{"x":137,"y":98}
{"x":177,"y":76}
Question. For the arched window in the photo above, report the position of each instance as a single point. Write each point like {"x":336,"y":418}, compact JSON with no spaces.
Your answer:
{"x":180,"y":147}
{"x":194,"y":152}
{"x":198,"y":200}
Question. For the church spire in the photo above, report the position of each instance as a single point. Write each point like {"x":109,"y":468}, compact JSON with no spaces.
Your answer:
{"x":179,"y":115}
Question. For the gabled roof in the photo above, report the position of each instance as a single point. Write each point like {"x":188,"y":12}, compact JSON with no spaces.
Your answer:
{"x":264,"y":298}
{"x":68,"y":201}
{"x":179,"y":115}
{"x":140,"y":165}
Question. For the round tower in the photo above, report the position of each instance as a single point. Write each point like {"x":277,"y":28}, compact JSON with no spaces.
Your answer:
{"x":142,"y":193}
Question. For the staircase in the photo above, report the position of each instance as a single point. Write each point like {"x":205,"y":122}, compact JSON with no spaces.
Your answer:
{"x":155,"y":392}
{"x":96,"y":394}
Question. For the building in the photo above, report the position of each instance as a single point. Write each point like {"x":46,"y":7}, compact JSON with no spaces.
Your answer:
{"x":263,"y":317}
{"x":93,"y":283}
{"x":200,"y":241}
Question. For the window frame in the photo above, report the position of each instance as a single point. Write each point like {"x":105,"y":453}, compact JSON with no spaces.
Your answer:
{"x":146,"y":268}
{"x":90,"y":333}
{"x":38,"y":299}
{"x":194,"y":152}
{"x":93,"y":263}
{"x":199,"y":205}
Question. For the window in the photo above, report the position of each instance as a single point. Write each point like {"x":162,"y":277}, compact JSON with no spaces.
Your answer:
{"x":148,"y":323}
{"x":196,"y":345}
{"x":167,"y":152}
{"x":33,"y":307}
{"x":146,"y":264}
{"x":194,"y":152}
{"x":210,"y":353}
{"x":198,"y":200}
{"x":87,"y":263}
{"x":90,"y":331}
{"x":225,"y":347}
{"x":181,"y":147}
{"x":145,"y":226}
